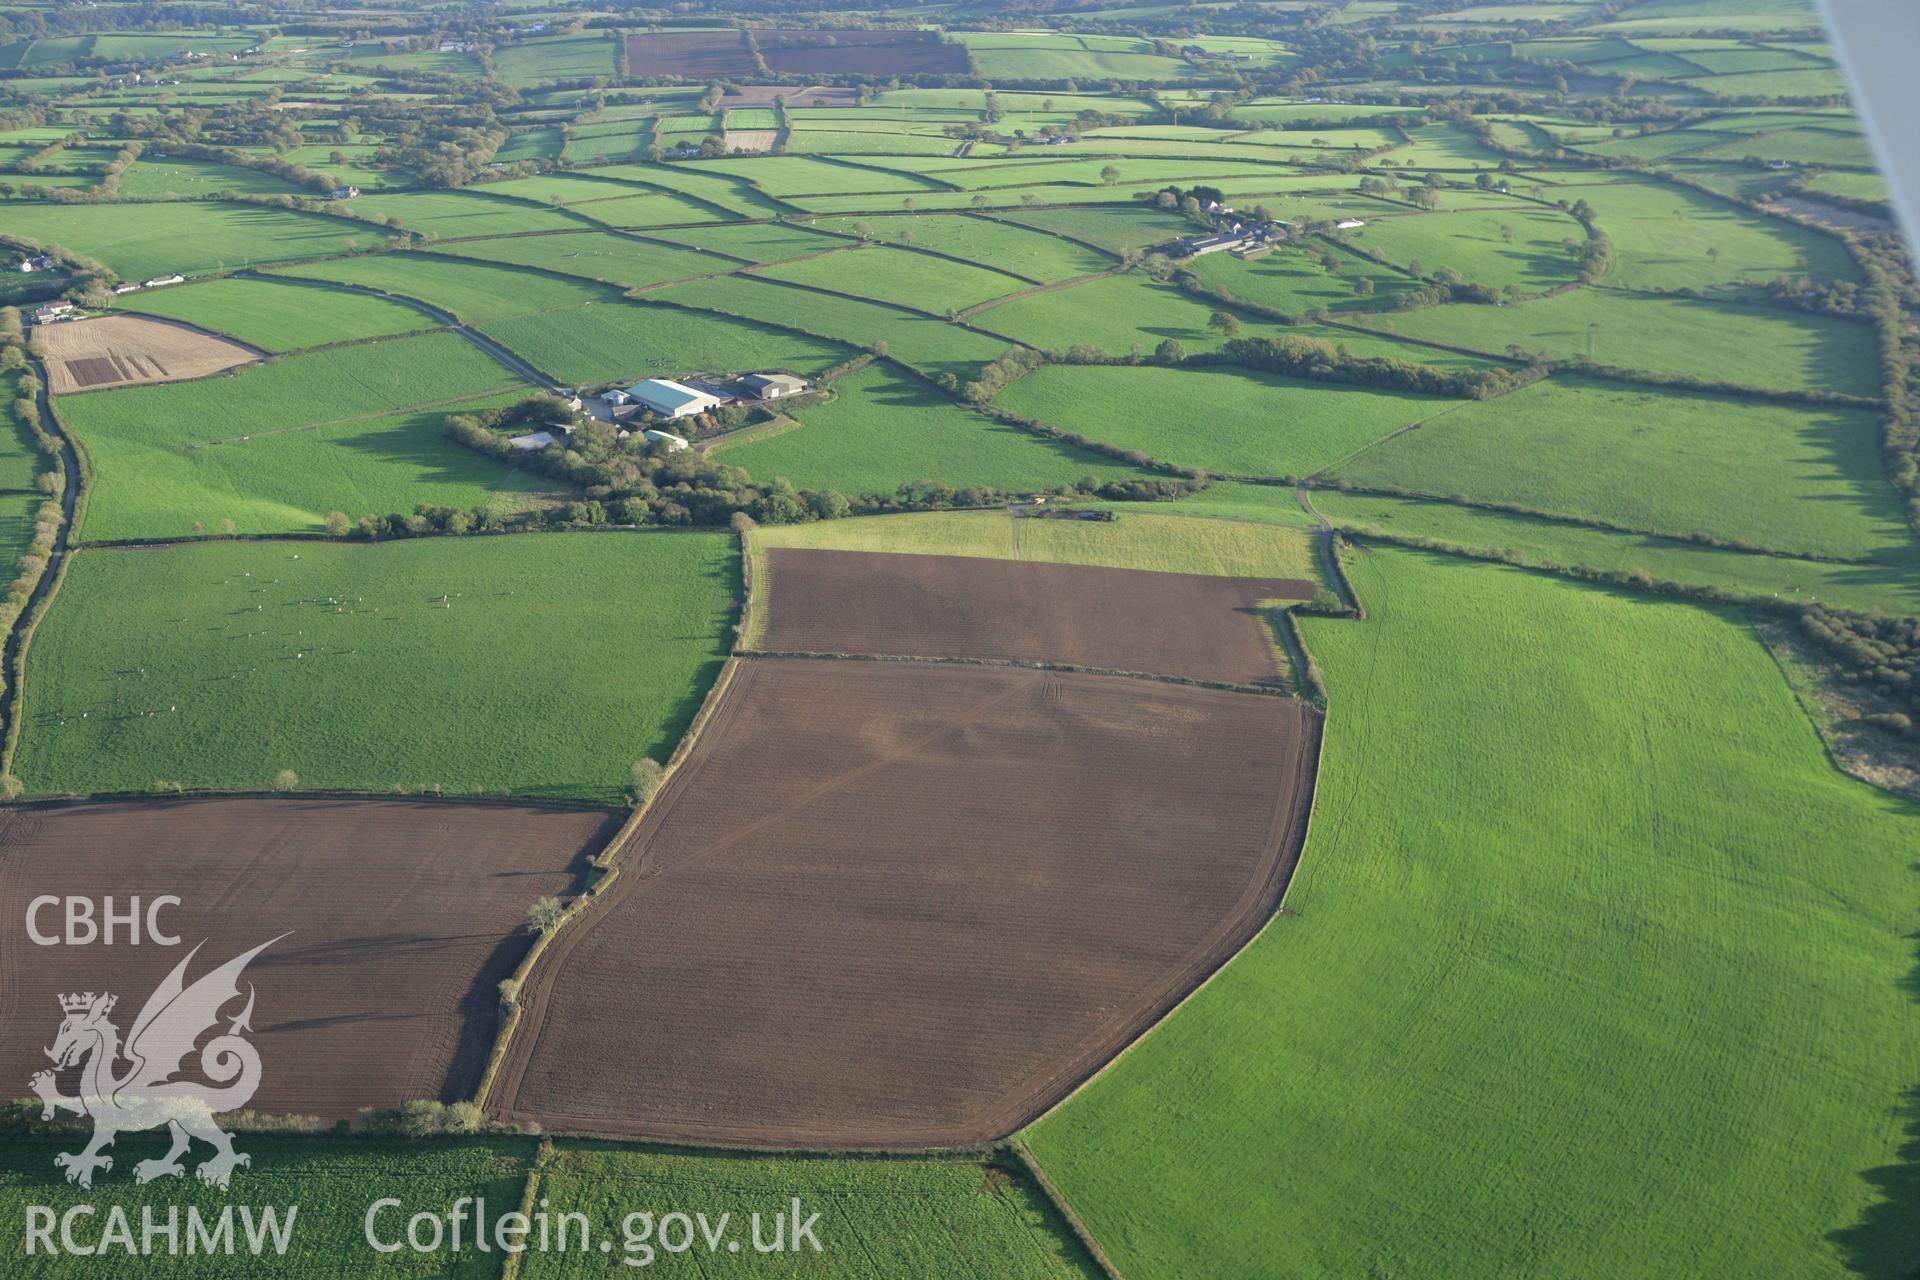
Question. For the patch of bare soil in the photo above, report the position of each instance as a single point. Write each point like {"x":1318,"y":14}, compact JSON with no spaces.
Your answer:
{"x":403,"y":918}
{"x":121,"y":350}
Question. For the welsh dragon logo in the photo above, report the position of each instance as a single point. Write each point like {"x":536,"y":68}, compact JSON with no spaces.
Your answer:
{"x":146,"y":1094}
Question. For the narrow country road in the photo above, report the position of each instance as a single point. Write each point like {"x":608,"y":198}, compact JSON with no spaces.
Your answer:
{"x":1326,"y":551}
{"x":69,"y":501}
{"x":447,"y":318}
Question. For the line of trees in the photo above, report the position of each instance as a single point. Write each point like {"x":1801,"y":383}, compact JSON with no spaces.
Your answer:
{"x":1303,"y":357}
{"x":1878,"y":652}
{"x":633,"y":481}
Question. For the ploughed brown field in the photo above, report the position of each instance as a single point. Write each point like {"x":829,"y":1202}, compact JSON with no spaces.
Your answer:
{"x":763,"y":95}
{"x":910,"y":904}
{"x":404,"y":919}
{"x":694,"y":54}
{"x":857,"y":51}
{"x":118,"y":351}
{"x":1164,"y":624}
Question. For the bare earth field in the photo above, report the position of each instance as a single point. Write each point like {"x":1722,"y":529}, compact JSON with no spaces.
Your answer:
{"x":1164,"y":624}
{"x":404,"y":918}
{"x":814,"y":95}
{"x":751,"y":139}
{"x":849,"y":51}
{"x":694,"y":54}
{"x":118,"y":351}
{"x":910,"y":904}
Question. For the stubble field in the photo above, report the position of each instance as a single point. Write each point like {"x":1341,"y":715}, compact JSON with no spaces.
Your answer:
{"x":118,"y":351}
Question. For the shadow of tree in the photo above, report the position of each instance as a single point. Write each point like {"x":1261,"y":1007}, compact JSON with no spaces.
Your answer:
{"x":1885,"y":1243}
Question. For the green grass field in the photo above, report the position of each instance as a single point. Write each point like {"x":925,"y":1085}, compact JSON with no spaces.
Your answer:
{"x":1893,"y":586}
{"x":580,"y":56}
{"x":473,"y":292}
{"x":1475,"y":243}
{"x":755,"y":242}
{"x":1592,"y":956}
{"x":647,"y":210}
{"x":1019,"y":55}
{"x":918,"y":280}
{"x":1036,"y":256}
{"x":879,"y":1219}
{"x":1234,"y":422}
{"x":1295,"y":281}
{"x":726,"y":193}
{"x":1114,"y":314}
{"x":1853,"y":186}
{"x":293,"y":392}
{"x":536,"y":664}
{"x":617,"y":260}
{"x":929,"y":345}
{"x":1767,"y":347}
{"x":461,"y":214}
{"x":287,"y":481}
{"x":633,"y":340}
{"x":1667,"y":238}
{"x":277,"y":316}
{"x":329,"y":1182}
{"x":1112,"y":229}
{"x":139,"y":242}
{"x":148,"y":179}
{"x":1793,"y":478}
{"x":884,"y":429}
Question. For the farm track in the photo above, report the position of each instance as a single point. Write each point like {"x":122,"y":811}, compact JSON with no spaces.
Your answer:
{"x":487,"y":345}
{"x":12,"y":673}
{"x":1326,"y":549}
{"x":1039,"y":289}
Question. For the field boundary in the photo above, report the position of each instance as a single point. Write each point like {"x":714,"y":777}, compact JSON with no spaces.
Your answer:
{"x":1074,"y":1224}
{"x":606,"y":861}
{"x":938,"y":660}
{"x":1576,"y":521}
{"x":529,"y":1197}
{"x":74,"y":474}
{"x":1319,"y":720}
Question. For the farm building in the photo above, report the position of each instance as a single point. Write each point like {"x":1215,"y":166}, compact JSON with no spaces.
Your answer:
{"x":774,"y":386}
{"x":343,"y":193}
{"x":125,"y":286}
{"x":673,"y":442}
{"x":157,"y":281}
{"x":671,"y":399}
{"x":52,"y":311}
{"x":1348,"y":224}
{"x":39,"y":263}
{"x":1197,"y":246}
{"x":616,"y":396}
{"x":532,"y":441}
